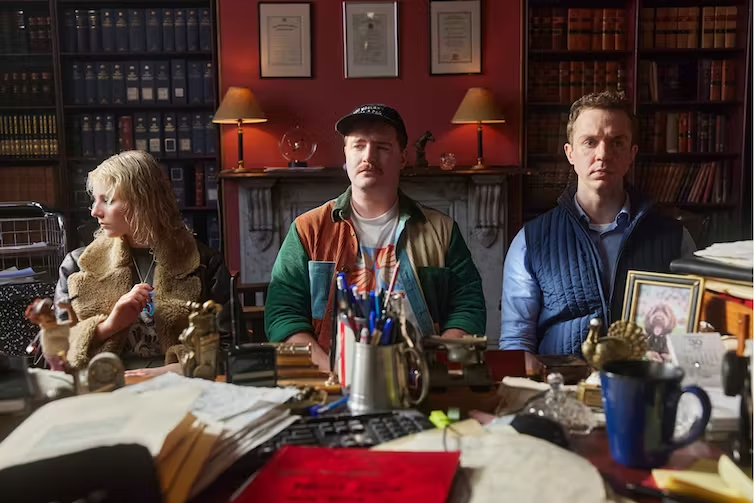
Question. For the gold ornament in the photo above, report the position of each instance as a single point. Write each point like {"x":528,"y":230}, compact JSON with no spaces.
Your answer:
{"x":624,"y":341}
{"x":201,"y":341}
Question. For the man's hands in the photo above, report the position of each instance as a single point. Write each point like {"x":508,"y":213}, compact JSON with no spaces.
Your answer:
{"x":125,"y":312}
{"x":454,"y":333}
{"x":319,"y":357}
{"x":533,"y":366}
{"x":154,"y":371}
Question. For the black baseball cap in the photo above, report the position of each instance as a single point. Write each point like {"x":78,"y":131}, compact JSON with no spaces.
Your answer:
{"x":376,"y":112}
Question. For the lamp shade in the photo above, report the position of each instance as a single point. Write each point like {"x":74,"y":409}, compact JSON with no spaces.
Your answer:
{"x":239,"y":103}
{"x":478,"y":107}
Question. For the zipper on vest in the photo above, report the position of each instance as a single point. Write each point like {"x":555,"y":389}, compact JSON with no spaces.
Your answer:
{"x":628,"y":233}
{"x":595,"y":253}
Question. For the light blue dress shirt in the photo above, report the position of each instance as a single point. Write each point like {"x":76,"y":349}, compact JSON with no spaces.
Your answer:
{"x":522,"y":297}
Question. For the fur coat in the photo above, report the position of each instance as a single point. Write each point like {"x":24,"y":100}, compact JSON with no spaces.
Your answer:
{"x":93,"y":278}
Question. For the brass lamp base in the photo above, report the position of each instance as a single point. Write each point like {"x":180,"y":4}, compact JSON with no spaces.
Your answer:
{"x":479,"y":164}
{"x":241,"y":168}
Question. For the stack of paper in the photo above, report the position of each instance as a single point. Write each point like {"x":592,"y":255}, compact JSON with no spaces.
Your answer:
{"x":499,"y":461}
{"x":15,"y":275}
{"x":159,"y":420}
{"x":736,"y":254}
{"x":238,"y":418}
{"x":720,"y":481}
{"x":194,"y":429}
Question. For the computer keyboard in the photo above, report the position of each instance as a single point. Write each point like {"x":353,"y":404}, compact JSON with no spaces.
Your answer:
{"x":348,"y":431}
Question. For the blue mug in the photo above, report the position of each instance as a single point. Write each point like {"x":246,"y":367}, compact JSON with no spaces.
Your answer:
{"x":640,"y":400}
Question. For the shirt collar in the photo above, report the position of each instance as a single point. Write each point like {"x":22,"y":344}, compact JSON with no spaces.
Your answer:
{"x":623,"y":216}
{"x":406,"y":207}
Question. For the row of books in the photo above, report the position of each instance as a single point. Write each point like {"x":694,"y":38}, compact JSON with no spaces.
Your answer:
{"x":140,"y":82}
{"x":715,"y":80}
{"x":137,"y":30}
{"x":577,"y":29}
{"x":688,"y":27}
{"x":700,"y":183}
{"x":541,"y":191}
{"x":26,"y":87}
{"x":165,"y":135}
{"x":205,"y":227}
{"x":194,"y":186}
{"x":566,"y":81}
{"x":23,"y":31}
{"x":673,"y":132}
{"x":28,"y":183}
{"x":660,"y":132}
{"x":28,"y":136}
{"x":546,"y":133}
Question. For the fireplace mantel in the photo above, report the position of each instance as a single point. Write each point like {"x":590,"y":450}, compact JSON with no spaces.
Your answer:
{"x":476,"y":199}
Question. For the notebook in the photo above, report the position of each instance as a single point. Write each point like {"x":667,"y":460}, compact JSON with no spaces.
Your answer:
{"x":320,"y":474}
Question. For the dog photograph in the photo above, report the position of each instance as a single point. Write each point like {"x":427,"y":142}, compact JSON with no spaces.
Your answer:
{"x":662,"y":304}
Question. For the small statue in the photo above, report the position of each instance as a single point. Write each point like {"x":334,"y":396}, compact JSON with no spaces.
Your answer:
{"x":421,"y":158}
{"x":201,"y":340}
{"x":624,"y":341}
{"x":53,"y":335}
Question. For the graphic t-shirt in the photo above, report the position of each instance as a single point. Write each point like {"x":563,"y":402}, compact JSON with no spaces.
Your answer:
{"x":376,"y":259}
{"x":142,"y":339}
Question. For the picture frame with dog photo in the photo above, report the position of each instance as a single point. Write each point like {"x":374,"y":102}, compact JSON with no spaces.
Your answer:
{"x":661,"y":304}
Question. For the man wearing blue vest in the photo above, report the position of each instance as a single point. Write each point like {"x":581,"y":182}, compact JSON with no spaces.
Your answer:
{"x":570,"y":265}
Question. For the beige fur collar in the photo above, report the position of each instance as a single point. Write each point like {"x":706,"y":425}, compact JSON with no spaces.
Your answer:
{"x":104,"y":255}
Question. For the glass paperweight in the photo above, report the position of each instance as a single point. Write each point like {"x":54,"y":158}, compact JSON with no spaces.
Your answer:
{"x":298,"y":146}
{"x":447,"y":161}
{"x":556,"y":404}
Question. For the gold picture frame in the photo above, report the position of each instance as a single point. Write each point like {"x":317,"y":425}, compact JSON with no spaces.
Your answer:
{"x":662,"y":304}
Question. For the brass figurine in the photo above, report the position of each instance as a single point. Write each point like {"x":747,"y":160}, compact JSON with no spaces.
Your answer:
{"x":53,"y":335}
{"x":624,"y":341}
{"x":201,"y":340}
{"x":421,"y":158}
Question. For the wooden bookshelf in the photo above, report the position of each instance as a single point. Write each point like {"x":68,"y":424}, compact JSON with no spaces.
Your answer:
{"x":30,"y":164}
{"x":684,"y":74}
{"x":78,"y":44}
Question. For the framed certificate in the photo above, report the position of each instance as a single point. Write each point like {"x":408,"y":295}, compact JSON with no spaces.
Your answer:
{"x":285,"y":40}
{"x":455,"y":37}
{"x":370,"y":39}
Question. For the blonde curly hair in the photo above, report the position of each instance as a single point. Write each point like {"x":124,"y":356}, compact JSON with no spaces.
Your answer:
{"x":150,"y":206}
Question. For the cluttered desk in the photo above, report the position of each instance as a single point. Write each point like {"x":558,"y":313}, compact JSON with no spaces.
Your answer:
{"x":450,"y":422}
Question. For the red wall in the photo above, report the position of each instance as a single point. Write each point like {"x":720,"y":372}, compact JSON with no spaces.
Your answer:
{"x":425,"y":102}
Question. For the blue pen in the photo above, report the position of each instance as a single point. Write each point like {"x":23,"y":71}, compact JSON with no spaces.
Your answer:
{"x":317,"y":410}
{"x":372,"y":322}
{"x":387,"y":332}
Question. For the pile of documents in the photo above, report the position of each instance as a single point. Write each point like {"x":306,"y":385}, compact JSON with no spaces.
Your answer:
{"x":717,"y":481}
{"x":15,"y":275}
{"x":736,"y":253}
{"x":194,"y":429}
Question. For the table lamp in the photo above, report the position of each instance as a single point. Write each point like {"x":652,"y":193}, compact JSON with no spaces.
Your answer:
{"x":478,"y":108}
{"x":239,"y":106}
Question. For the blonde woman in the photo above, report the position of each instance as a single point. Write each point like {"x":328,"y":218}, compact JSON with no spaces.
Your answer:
{"x":129,"y":287}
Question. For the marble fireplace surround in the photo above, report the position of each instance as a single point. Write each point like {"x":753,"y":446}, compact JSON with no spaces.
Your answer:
{"x":478,"y":203}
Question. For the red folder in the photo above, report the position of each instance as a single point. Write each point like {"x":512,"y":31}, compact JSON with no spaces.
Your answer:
{"x":320,"y":474}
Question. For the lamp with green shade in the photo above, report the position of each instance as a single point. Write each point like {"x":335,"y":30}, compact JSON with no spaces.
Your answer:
{"x":239,"y":106}
{"x":478,"y":107}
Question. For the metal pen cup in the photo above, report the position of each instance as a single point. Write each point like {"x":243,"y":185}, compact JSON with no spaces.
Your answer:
{"x":382,"y":378}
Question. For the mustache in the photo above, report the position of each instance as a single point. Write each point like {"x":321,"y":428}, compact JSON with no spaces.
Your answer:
{"x":368,"y":166}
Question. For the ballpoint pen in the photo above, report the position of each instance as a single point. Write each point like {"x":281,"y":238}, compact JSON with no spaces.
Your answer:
{"x":387,"y":332}
{"x":318,"y":410}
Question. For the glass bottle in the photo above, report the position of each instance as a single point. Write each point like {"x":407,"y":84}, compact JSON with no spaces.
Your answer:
{"x":575,"y":417}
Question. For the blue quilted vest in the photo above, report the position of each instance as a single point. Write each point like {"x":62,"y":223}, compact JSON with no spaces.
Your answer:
{"x":566,"y":264}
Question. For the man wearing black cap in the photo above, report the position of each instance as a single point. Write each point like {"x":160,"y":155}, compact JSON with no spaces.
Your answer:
{"x":370,"y":232}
